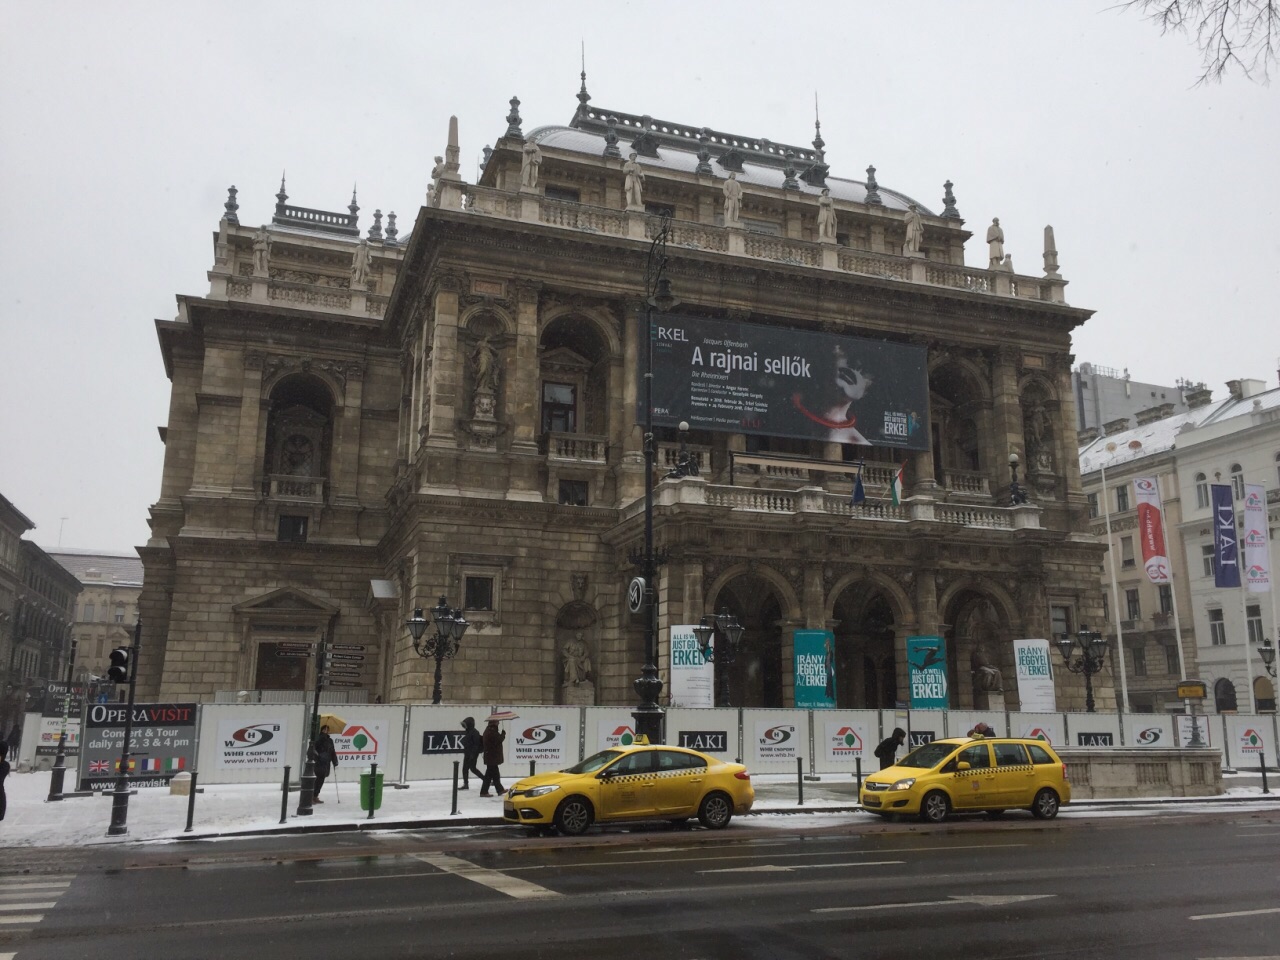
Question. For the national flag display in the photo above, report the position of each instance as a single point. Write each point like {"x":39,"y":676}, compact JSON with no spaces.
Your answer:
{"x":173,"y":764}
{"x":1155,"y":559}
{"x":133,"y":765}
{"x":99,"y":766}
{"x":151,"y":765}
{"x":1257,"y":547}
{"x":1226,"y":549}
{"x":897,"y":485}
{"x":859,"y":494}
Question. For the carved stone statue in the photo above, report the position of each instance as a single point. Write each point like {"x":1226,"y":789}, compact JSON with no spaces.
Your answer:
{"x":634,"y":185}
{"x":995,"y":244}
{"x":915,"y":232}
{"x":530,"y":162}
{"x":826,"y":216}
{"x":576,"y":660}
{"x":484,"y":359}
{"x":438,"y":168}
{"x":261,"y":251}
{"x":732,"y":200}
{"x":986,"y":677}
{"x":360,"y":265}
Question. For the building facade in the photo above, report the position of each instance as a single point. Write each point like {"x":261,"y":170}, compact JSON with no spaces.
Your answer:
{"x":360,"y":426}
{"x":13,"y":525}
{"x":107,"y":606}
{"x":1106,"y":395}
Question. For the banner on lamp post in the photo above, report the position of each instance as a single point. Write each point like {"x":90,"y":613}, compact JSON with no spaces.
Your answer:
{"x":1226,"y":548}
{"x":815,"y":669}
{"x":1257,"y":548}
{"x":1155,"y":557}
{"x":1035,"y":676}
{"x":693,"y":676}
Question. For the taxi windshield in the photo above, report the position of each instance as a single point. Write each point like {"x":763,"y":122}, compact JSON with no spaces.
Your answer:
{"x":594,"y":762}
{"x":927,"y":756}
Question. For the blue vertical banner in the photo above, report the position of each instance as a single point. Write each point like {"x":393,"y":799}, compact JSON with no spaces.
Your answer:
{"x":815,"y":669}
{"x":927,"y":658}
{"x":1226,"y":544}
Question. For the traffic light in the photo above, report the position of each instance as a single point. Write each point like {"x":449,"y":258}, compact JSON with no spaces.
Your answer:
{"x":118,"y":672}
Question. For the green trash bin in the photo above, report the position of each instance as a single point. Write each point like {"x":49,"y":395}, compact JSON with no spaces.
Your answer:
{"x":365,"y":782}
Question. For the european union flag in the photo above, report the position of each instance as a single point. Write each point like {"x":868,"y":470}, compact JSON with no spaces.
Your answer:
{"x":859,"y":494}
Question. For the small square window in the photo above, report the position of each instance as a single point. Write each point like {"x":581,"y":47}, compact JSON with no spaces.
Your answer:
{"x":569,"y":194}
{"x":573,"y":493}
{"x":478,"y":593}
{"x":292,"y":529}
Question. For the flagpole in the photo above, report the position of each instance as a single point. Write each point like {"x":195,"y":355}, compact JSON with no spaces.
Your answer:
{"x":1248,"y":660}
{"x":1115,"y":587}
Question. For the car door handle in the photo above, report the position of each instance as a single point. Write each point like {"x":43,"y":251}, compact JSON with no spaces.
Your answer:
{"x":696,"y":780}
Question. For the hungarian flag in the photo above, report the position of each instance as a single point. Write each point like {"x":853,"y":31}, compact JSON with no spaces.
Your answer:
{"x":897,"y":486}
{"x":175,"y":763}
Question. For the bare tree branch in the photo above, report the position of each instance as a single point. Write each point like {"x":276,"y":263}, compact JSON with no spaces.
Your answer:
{"x":1230,"y":34}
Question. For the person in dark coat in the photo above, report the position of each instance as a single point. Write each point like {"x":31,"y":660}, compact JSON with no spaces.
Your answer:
{"x":472,"y":747}
{"x":492,"y":740}
{"x":326,"y":757}
{"x":888,"y":748}
{"x":4,"y":774}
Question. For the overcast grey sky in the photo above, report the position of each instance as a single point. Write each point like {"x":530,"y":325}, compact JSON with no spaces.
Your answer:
{"x":124,"y":123}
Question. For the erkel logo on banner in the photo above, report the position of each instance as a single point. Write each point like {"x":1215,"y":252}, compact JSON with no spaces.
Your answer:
{"x":927,"y":658}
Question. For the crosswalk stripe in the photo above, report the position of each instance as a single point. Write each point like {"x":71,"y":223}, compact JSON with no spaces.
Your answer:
{"x":37,"y":885}
{"x":23,"y":918}
{"x":29,"y":906}
{"x":493,"y":879}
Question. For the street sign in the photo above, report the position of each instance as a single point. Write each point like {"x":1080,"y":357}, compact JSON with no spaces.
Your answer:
{"x":1192,"y":690}
{"x":347,"y":656}
{"x":635,"y":594}
{"x":289,"y":645}
{"x":293,"y":653}
{"x":349,"y":647}
{"x":349,"y":674}
{"x":345,"y":683}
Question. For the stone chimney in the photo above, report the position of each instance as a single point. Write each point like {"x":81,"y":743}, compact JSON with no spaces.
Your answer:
{"x":1152,"y":414}
{"x":1235,"y":388}
{"x":1112,"y":427}
{"x":1198,"y":396}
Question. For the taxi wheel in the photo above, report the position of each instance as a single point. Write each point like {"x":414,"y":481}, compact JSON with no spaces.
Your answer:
{"x":573,"y":816}
{"x":716,"y":811}
{"x":1045,"y":805}
{"x":935,"y":807}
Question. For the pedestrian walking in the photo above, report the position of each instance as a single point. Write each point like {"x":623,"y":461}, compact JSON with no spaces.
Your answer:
{"x":326,"y":757}
{"x":472,"y":747}
{"x":492,"y":740}
{"x":4,"y":774}
{"x":888,"y":748}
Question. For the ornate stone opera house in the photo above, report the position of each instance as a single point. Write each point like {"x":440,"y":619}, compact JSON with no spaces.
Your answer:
{"x":360,"y":425}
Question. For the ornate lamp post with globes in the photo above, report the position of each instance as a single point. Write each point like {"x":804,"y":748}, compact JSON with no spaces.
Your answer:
{"x":444,"y":643}
{"x":1088,"y":661}
{"x":723,"y":654}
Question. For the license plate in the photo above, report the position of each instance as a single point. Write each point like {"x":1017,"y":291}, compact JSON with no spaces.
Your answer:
{"x":871,"y":802}
{"x":508,"y":809}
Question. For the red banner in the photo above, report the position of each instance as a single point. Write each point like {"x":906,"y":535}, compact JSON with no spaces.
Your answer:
{"x":1155,"y":559}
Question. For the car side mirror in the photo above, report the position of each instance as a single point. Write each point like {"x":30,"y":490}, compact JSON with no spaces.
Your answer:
{"x":962,"y":765}
{"x":606,"y":774}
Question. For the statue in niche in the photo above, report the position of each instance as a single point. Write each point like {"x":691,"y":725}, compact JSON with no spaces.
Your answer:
{"x":1038,"y":431}
{"x":732,"y":199}
{"x":826,"y":216}
{"x":261,"y":251}
{"x":484,"y":361}
{"x":634,"y":185}
{"x":576,"y":660}
{"x":915,"y":232}
{"x":530,"y":162}
{"x":987,"y":677}
{"x":995,"y":244}
{"x":360,"y":265}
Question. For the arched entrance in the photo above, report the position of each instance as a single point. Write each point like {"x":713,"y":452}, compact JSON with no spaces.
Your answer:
{"x":980,"y":666}
{"x":755,"y":678}
{"x":1224,"y":696}
{"x":866,"y":649}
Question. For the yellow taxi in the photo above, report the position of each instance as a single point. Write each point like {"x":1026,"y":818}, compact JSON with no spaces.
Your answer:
{"x":635,"y":782}
{"x":966,"y":774}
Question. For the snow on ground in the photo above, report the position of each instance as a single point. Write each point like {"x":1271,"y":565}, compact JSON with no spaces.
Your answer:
{"x":237,"y":808}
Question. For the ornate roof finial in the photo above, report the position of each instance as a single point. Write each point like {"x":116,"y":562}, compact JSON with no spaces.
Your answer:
{"x":789,"y":181}
{"x":513,"y":120}
{"x":818,"y":142}
{"x":873,"y":188}
{"x":1050,"y":255}
{"x":704,"y":152}
{"x":375,"y":232}
{"x":392,"y":232}
{"x":583,"y":96}
{"x":949,"y":211}
{"x":611,"y":138}
{"x":231,"y":206}
{"x":353,"y":206}
{"x":281,"y":197}
{"x":487,"y":152}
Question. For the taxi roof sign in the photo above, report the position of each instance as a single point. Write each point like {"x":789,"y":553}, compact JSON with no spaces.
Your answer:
{"x":639,"y":740}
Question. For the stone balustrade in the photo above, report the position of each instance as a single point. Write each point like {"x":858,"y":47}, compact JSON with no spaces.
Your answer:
{"x":301,"y":489}
{"x":576,"y":447}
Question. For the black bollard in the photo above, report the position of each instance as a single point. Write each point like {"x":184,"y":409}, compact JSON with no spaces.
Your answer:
{"x":857,"y":763}
{"x":191,"y":804}
{"x":284,"y":797}
{"x":454,"y":811}
{"x":373,"y":788}
{"x":1262,"y":765}
{"x":800,"y":780}
{"x":533,"y":765}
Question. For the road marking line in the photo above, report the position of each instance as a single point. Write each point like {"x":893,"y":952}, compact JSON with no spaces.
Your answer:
{"x":25,"y":918}
{"x":977,"y":900}
{"x":1234,"y":913}
{"x":778,"y":868}
{"x":18,"y":895}
{"x":31,"y":906}
{"x":511,"y":886}
{"x":381,"y":876}
{"x":19,"y":887}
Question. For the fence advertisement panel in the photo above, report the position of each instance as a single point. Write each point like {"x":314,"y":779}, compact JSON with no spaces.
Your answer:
{"x":1035,"y":676}
{"x":733,"y":377}
{"x":1249,"y":740}
{"x":922,"y":726}
{"x":843,"y":737}
{"x":374,"y":733}
{"x":1039,"y":726}
{"x":693,"y":676}
{"x":1207,"y":736}
{"x":608,"y":727}
{"x":960,"y":722}
{"x":548,"y":737}
{"x":774,"y":739}
{"x":709,"y":731}
{"x":815,"y":669}
{"x":1140,"y":729}
{"x":162,"y":743}
{"x":927,"y":659}
{"x":250,"y":742}
{"x":55,"y":702}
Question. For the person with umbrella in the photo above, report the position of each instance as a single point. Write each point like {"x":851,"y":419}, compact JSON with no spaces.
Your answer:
{"x":492,"y":740}
{"x":326,"y":752}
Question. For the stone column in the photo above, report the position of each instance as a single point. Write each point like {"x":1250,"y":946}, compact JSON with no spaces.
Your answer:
{"x":1006,"y":418}
{"x":248,"y":454}
{"x":523,"y":389}
{"x":446,"y":381}
{"x":345,"y":459}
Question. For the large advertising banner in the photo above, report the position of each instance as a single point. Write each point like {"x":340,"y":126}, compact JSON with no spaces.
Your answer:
{"x":1257,"y":548}
{"x":55,"y":703}
{"x":257,"y":744}
{"x":163,"y":742}
{"x":815,"y":669}
{"x":927,"y":658}
{"x":774,"y":739}
{"x":1226,"y":544}
{"x":1155,"y":558}
{"x":778,"y":381}
{"x":546,"y":736}
{"x":1035,"y":676}
{"x":693,"y":676}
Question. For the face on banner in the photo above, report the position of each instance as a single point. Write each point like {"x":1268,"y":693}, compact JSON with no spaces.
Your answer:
{"x":927,"y":658}
{"x":815,"y":669}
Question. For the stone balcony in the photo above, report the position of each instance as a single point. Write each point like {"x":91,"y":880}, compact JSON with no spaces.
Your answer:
{"x":535,"y":208}
{"x":294,"y":489}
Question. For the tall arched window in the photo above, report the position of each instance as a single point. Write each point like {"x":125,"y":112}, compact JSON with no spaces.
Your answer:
{"x":1237,"y":481}
{"x":1202,"y":491}
{"x":299,"y":434}
{"x":1224,"y":696}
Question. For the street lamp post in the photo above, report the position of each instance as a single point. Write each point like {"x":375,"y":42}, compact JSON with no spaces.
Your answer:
{"x":686,"y":463}
{"x":1092,"y":655}
{"x":307,"y":782}
{"x":723,"y":654}
{"x":443,"y":645}
{"x":59,"y":772}
{"x":648,"y":715}
{"x":1017,"y":496}
{"x":1268,"y":654}
{"x":119,"y":825}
